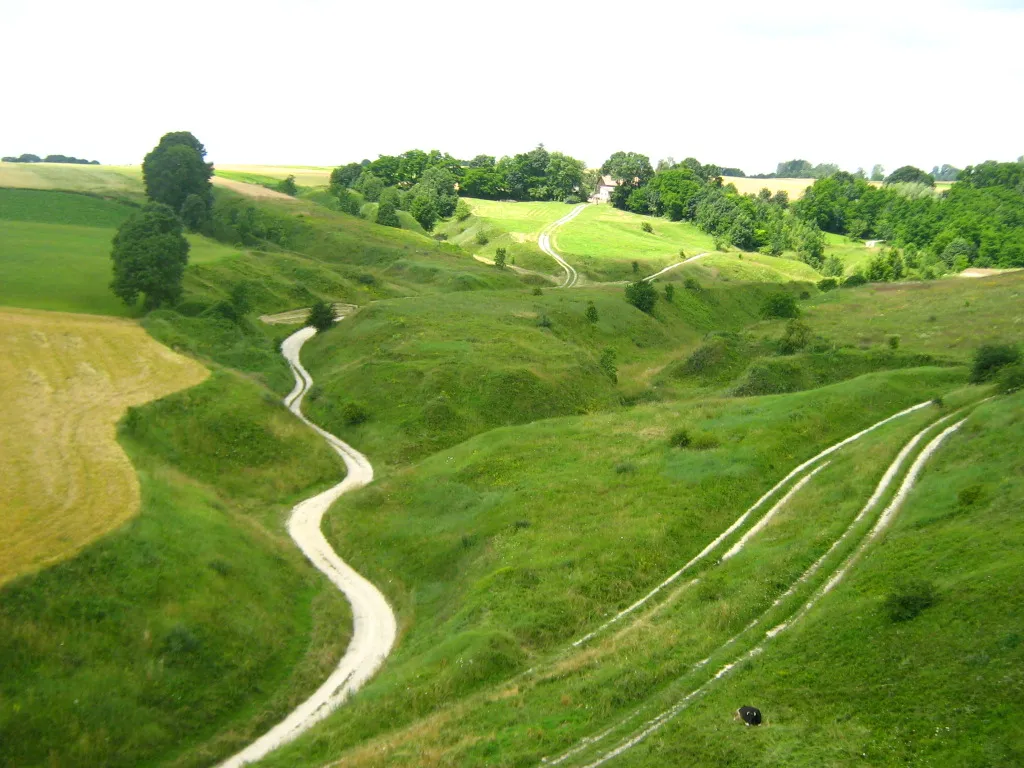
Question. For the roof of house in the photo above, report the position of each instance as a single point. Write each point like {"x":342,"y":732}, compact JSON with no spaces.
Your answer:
{"x":608,"y":181}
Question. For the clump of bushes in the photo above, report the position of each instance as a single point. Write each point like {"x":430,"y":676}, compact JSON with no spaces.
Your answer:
{"x":321,"y":315}
{"x":544,"y":321}
{"x":691,"y":284}
{"x":482,"y":238}
{"x":827,"y":284}
{"x":779,"y":305}
{"x":591,"y":312}
{"x":500,"y":256}
{"x":354,"y":414}
{"x":908,"y":599}
{"x":691,"y":439}
{"x":646,"y":227}
{"x":608,"y":366}
{"x":854,"y":280}
{"x":796,"y":337}
{"x":642,"y":295}
{"x":989,"y":359}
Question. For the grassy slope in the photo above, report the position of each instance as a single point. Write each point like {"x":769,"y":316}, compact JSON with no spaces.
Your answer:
{"x":196,"y":625}
{"x":434,"y":370}
{"x":855,"y":254}
{"x":850,"y":686}
{"x":502,"y":549}
{"x":951,"y":316}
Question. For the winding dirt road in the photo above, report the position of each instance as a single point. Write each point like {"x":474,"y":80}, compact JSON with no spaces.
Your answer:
{"x":670,"y":267}
{"x":544,"y":241}
{"x":374,"y":627}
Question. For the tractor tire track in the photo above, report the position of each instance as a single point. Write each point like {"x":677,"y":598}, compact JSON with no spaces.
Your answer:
{"x":544,"y":241}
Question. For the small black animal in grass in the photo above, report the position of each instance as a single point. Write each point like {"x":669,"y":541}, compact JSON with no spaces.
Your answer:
{"x":749,"y":715}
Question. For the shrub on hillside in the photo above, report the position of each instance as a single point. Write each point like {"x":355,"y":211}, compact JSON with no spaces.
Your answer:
{"x":608,"y":366}
{"x":779,"y":305}
{"x":854,"y":280}
{"x":321,"y":315}
{"x":828,"y":284}
{"x":482,"y":238}
{"x":642,"y":295}
{"x":691,"y":284}
{"x":908,"y":599}
{"x":353,"y":414}
{"x":591,"y":312}
{"x":462,"y":210}
{"x":500,"y":257}
{"x":796,"y":337}
{"x":990,"y":358}
{"x":1011,"y":379}
{"x":287,"y":186}
{"x":693,"y":440}
{"x":670,"y":292}
{"x":150,"y":253}
{"x":646,"y":227}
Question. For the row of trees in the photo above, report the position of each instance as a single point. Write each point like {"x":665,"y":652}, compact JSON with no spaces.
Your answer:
{"x":978,"y":221}
{"x":29,"y":158}
{"x":428,"y":184}
{"x":150,"y":251}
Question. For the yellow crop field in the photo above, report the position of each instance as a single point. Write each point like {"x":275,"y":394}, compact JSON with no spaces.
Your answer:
{"x":113,"y":180}
{"x":66,"y":380}
{"x":794,"y":187}
{"x":305,"y":176}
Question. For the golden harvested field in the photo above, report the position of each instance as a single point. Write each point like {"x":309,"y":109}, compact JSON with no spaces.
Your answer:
{"x":794,"y":187}
{"x":66,"y":380}
{"x":305,"y":176}
{"x":112,"y":180}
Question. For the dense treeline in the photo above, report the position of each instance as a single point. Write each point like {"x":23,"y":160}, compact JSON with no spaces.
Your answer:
{"x":428,"y":184}
{"x":29,"y":158}
{"x":979,"y":221}
{"x":692,"y":191}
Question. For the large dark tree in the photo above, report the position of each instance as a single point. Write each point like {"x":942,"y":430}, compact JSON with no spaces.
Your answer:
{"x":175,"y":169}
{"x":909,"y":174}
{"x":150,"y":253}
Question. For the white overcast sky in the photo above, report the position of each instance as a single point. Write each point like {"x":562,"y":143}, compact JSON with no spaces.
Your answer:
{"x":742,"y":84}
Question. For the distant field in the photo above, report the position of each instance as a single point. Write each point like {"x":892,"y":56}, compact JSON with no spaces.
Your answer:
{"x":108,"y":180}
{"x":55,"y":251}
{"x":306,"y":176}
{"x":750,"y":267}
{"x":793,"y":187}
{"x":66,"y":381}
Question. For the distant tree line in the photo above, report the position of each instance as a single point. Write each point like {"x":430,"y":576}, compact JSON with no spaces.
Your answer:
{"x":978,"y":221}
{"x":28,"y":158}
{"x":428,"y":184}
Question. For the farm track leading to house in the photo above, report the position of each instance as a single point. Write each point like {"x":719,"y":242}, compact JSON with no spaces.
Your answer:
{"x":544,"y":241}
{"x":374,"y":626}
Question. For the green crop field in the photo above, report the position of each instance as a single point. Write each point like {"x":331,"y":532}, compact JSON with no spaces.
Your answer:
{"x":55,"y":251}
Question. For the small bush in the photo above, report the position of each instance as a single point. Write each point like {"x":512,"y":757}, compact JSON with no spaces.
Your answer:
{"x":893,"y":342}
{"x":571,"y":200}
{"x":180,"y":644}
{"x":642,"y":295}
{"x":500,"y":256}
{"x":989,"y":359}
{"x":682,"y":253}
{"x":1011,"y":378}
{"x":646,"y":227}
{"x":691,"y":284}
{"x":680,"y":438}
{"x":670,"y":292}
{"x":462,"y":210}
{"x":854,"y":280}
{"x":537,"y":292}
{"x":968,"y":497}
{"x":805,"y":295}
{"x":908,"y":599}
{"x":625,"y":468}
{"x":779,"y":305}
{"x":544,"y":321}
{"x":828,"y":284}
{"x":796,"y":337}
{"x":321,"y":316}
{"x":608,"y":366}
{"x":365,"y":278}
{"x":636,"y":267}
{"x":591,"y":312}
{"x":353,"y":414}
{"x":482,"y":238}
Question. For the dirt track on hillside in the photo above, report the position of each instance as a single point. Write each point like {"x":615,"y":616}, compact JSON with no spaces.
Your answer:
{"x":374,"y":627}
{"x":544,"y":241}
{"x":249,"y":190}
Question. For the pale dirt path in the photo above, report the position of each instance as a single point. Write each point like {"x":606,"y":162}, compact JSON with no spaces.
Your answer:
{"x":670,"y":267}
{"x":374,"y":627}
{"x":249,"y":190}
{"x":297,"y":316}
{"x":655,"y":723}
{"x":544,"y":241}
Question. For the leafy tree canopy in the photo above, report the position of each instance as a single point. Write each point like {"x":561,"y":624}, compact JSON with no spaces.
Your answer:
{"x":150,"y":254}
{"x":909,"y":173}
{"x":175,"y":169}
